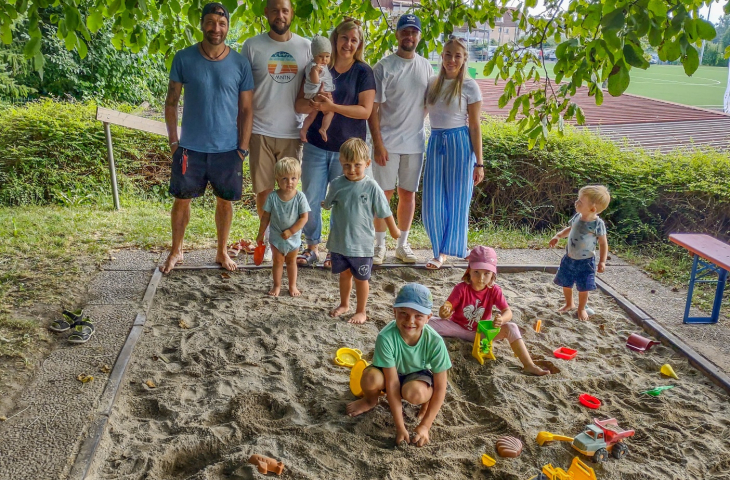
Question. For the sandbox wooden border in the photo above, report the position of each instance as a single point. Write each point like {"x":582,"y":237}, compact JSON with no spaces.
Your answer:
{"x":90,"y":445}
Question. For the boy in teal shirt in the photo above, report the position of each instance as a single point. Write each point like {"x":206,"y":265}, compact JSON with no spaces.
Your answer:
{"x":410,"y":363}
{"x":355,"y":200}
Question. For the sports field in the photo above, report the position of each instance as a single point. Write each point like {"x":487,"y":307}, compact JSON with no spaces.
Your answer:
{"x":706,"y":88}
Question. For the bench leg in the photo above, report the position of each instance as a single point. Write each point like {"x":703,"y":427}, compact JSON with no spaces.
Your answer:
{"x":718,"y":295}
{"x":691,"y":288}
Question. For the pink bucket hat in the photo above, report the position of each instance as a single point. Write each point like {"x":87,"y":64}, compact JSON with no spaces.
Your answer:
{"x":483,"y":258}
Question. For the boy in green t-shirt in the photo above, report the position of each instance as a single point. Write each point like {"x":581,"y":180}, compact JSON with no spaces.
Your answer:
{"x":410,"y":363}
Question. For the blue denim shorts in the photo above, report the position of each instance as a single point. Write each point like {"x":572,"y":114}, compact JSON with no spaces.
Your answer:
{"x":361,"y":267}
{"x":581,"y":273}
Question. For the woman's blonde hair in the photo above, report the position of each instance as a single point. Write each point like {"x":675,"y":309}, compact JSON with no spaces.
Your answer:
{"x":287,"y":166}
{"x":355,"y":149}
{"x":466,"y":279}
{"x":345,"y":26}
{"x":454,"y":90}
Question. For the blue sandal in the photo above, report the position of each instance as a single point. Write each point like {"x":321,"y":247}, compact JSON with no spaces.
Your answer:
{"x":310,"y":258}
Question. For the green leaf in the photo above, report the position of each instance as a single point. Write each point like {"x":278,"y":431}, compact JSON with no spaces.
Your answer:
{"x":726,"y":54}
{"x":142,"y":5}
{"x":658,"y":8}
{"x":304,"y":10}
{"x":72,"y":17}
{"x":189,"y":34}
{"x":591,"y":21}
{"x":71,"y":40}
{"x":231,"y":5}
{"x":670,"y":50}
{"x":690,"y":28}
{"x":81,"y":48}
{"x":614,"y":20}
{"x":691,"y":61}
{"x":563,"y":47}
{"x":656,"y":35}
{"x":643,"y":23}
{"x":38,"y":62}
{"x":634,"y":56}
{"x":32,"y":47}
{"x":705,"y":29}
{"x":580,"y":118}
{"x":6,"y":33}
{"x":619,"y":79}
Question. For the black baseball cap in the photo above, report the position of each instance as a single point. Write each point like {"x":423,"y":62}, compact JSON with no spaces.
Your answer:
{"x":216,"y":8}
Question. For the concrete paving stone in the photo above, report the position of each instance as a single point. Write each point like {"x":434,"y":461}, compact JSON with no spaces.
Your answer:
{"x":667,"y":307}
{"x":118,"y":287}
{"x":61,"y":407}
{"x":132,"y":260}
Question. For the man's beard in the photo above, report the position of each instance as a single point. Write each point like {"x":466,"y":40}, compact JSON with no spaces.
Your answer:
{"x":214,"y":41}
{"x":279,"y":31}
{"x":408,"y":48}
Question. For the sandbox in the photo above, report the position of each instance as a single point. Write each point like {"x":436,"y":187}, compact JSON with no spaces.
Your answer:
{"x":237,"y":373}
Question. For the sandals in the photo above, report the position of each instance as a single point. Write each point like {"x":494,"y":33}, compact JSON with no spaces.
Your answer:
{"x":435,"y":263}
{"x":310,"y":258}
{"x":70,"y":319}
{"x":241,"y":246}
{"x":327,"y":261}
{"x":82,"y":332}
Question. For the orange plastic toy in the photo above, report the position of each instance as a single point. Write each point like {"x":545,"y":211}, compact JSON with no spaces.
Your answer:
{"x":538,"y":326}
{"x":266,"y":464}
{"x":258,"y":254}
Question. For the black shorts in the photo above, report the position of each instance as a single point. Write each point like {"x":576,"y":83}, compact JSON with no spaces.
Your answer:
{"x":361,"y":267}
{"x":425,"y":376}
{"x":224,"y":171}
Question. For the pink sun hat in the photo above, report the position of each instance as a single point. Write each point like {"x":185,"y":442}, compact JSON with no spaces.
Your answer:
{"x":483,"y":258}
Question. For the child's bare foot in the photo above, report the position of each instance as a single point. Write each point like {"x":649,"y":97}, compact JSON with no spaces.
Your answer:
{"x":358,"y":318}
{"x":323,"y":132}
{"x":294,"y":291}
{"x":339,"y":310}
{"x":303,"y":135}
{"x":274,"y":292}
{"x":566,"y":308}
{"x":361,"y":406}
{"x":172,"y":259}
{"x":422,"y":411}
{"x":582,"y":314}
{"x":226,"y":262}
{"x":535,"y":370}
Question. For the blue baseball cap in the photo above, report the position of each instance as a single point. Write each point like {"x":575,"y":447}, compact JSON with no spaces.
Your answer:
{"x":409,"y":20}
{"x":415,"y":296}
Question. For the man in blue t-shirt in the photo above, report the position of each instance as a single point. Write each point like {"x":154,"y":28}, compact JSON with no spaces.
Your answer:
{"x":216,"y":129}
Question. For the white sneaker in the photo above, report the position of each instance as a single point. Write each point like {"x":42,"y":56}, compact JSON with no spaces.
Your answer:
{"x":405,"y":254}
{"x":379,"y":255}
{"x":267,"y":254}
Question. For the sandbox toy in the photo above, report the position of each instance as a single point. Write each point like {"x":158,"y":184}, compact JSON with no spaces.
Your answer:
{"x":356,"y":376}
{"x":577,"y":471}
{"x":640,"y":344}
{"x":483,"y":346}
{"x":488,"y":461}
{"x":266,"y":464}
{"x":565,"y":353}
{"x":589,"y":401}
{"x":347,"y":357}
{"x":258,"y":254}
{"x":655,"y":392}
{"x":545,"y":437}
{"x":668,"y":371}
{"x":601,"y":438}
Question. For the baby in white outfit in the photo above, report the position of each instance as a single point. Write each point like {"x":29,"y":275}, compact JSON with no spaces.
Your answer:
{"x":316,"y":75}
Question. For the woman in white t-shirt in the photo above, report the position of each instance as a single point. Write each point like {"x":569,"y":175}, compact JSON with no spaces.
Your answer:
{"x":454,"y":162}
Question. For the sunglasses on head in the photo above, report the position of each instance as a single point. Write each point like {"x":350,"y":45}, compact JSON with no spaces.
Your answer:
{"x":353,"y":20}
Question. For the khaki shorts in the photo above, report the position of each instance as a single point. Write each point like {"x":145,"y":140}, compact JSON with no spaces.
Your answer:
{"x":405,"y":168}
{"x":265,"y":152}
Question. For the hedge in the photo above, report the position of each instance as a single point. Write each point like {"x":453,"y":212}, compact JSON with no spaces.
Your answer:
{"x":55,"y":152}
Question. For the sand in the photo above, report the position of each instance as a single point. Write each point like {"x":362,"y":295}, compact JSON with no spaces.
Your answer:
{"x":254,"y":374}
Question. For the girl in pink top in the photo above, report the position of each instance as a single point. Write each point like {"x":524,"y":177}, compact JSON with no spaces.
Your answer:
{"x":472,"y":300}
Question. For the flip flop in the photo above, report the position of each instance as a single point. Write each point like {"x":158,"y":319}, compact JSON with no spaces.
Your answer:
{"x":82,"y":332}
{"x":234,"y":249}
{"x":309,"y":257}
{"x":70,"y":318}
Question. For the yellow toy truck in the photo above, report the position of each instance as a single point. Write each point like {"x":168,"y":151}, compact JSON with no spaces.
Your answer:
{"x":577,"y":471}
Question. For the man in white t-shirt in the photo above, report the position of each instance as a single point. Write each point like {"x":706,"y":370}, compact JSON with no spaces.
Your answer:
{"x":277,"y":58}
{"x":399,"y":136}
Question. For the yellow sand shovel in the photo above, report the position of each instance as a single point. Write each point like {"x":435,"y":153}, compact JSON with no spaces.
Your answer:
{"x":544,"y":437}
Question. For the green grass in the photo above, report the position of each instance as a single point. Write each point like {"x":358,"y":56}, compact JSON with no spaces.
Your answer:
{"x":706,"y":88}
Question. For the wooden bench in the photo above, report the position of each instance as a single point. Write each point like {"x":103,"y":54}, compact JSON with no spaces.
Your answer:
{"x":107,"y":117}
{"x":710,"y":256}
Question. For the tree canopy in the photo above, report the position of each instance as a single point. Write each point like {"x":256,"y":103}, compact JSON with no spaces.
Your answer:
{"x":598,"y":41}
